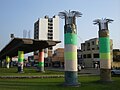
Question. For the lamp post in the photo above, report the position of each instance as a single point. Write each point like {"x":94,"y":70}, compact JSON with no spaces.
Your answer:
{"x":104,"y":49}
{"x":70,"y":47}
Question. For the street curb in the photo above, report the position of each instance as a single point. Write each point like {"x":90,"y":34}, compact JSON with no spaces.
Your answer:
{"x":21,"y":77}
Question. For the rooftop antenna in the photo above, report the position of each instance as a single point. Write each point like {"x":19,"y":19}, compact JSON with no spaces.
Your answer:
{"x":12,"y":36}
{"x":29,"y":34}
{"x":24,"y":33}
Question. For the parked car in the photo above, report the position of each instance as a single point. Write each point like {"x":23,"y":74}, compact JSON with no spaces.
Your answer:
{"x":115,"y":72}
{"x":35,"y":65}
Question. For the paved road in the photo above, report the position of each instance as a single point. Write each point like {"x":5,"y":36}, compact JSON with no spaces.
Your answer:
{"x":83,"y":72}
{"x":90,"y":71}
{"x":86,"y":71}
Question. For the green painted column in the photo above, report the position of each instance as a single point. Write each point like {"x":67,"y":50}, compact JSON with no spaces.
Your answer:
{"x":70,"y":47}
{"x":7,"y":61}
{"x":41,"y":61}
{"x":105,"y":56}
{"x":104,"y":49}
{"x":70,"y":55}
{"x":20,"y":61}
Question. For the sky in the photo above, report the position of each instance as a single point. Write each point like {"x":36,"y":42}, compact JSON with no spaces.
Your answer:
{"x":19,"y":15}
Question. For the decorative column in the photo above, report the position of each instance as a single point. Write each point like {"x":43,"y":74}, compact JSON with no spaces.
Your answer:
{"x":7,"y":62}
{"x":41,"y":61}
{"x":20,"y":61}
{"x":70,"y":47}
{"x":104,"y":49}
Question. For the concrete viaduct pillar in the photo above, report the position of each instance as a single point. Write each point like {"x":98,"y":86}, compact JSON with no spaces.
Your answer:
{"x":41,"y":61}
{"x":20,"y":61}
{"x":7,"y":62}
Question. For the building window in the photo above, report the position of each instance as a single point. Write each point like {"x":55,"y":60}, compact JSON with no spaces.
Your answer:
{"x":88,"y":48}
{"x":50,"y":34}
{"x":93,"y":43}
{"x":50,"y":27}
{"x":81,"y":56}
{"x":88,"y":55}
{"x":50,"y":31}
{"x":96,"y":55}
{"x":97,"y":47}
{"x":84,"y":56}
{"x":88,"y":44}
{"x":93,"y":48}
{"x":50,"y":24}
{"x":50,"y":48}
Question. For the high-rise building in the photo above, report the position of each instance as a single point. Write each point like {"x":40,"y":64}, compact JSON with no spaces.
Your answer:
{"x":47,"y":29}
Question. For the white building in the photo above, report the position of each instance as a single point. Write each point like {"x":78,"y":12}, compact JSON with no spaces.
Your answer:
{"x":47,"y":29}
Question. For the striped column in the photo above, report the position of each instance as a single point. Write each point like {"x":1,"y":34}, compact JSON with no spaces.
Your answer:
{"x":20,"y":61}
{"x":7,"y":61}
{"x":41,"y":61}
{"x":70,"y":55}
{"x":105,"y":56}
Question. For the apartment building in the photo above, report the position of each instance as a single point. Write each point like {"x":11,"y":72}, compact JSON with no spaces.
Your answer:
{"x":58,"y":58}
{"x":90,"y":52}
{"x":47,"y":29}
{"x":116,"y":58}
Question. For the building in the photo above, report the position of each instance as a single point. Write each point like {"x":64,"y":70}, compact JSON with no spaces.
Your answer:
{"x":116,"y":58}
{"x":90,"y":52}
{"x":79,"y":57}
{"x":47,"y":29}
{"x":58,"y":58}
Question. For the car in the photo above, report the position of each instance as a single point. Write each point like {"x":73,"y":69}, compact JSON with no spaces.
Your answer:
{"x":115,"y":72}
{"x":35,"y":65}
{"x":28,"y":65}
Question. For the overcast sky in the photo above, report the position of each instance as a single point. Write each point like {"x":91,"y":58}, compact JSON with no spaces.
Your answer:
{"x":19,"y":15}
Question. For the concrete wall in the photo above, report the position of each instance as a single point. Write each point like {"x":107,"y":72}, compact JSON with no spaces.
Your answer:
{"x":56,"y":31}
{"x":116,"y":64}
{"x":43,"y":29}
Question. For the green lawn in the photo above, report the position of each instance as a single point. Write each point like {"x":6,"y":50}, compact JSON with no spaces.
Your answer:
{"x":31,"y":71}
{"x":87,"y":82}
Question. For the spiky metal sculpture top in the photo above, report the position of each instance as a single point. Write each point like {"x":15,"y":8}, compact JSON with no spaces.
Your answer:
{"x":70,"y":16}
{"x":103,"y":23}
